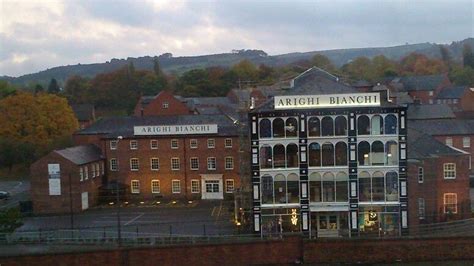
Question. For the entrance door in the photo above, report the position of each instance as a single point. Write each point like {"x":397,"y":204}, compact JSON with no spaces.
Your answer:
{"x":85,"y":200}
{"x":328,"y":225}
{"x":212,"y":189}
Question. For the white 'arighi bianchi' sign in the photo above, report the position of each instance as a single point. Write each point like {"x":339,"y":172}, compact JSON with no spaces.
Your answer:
{"x":327,"y":100}
{"x":175,"y":130}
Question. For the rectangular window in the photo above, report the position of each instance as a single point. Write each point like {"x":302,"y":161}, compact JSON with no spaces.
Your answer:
{"x":449,"y":170}
{"x":113,"y":164}
{"x":455,"y":101}
{"x":135,"y":187}
{"x":211,"y":163}
{"x":174,"y":144}
{"x":134,"y":164}
{"x":155,"y":186}
{"x":193,"y":143}
{"x":430,"y":101}
{"x":175,"y":186}
{"x":228,"y":143}
{"x":211,"y":143}
{"x":449,"y":141}
{"x":153,"y":144}
{"x":403,"y":188}
{"x":133,"y":145}
{"x":175,"y":163}
{"x":466,"y":142}
{"x":194,"y":163}
{"x":86,"y":172}
{"x":165,"y":105}
{"x":421,"y":208}
{"x":81,"y":173}
{"x":420,"y":175}
{"x":155,"y":164}
{"x":194,"y":186}
{"x":450,"y":203}
{"x":431,"y":93}
{"x":93,"y":170}
{"x":229,"y":186}
{"x":102,"y":169}
{"x":113,"y":144}
{"x":97,"y":169}
{"x":229,"y":163}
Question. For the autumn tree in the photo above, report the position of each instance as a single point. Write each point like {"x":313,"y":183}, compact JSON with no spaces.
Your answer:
{"x":77,"y":89}
{"x":419,"y":64}
{"x":39,"y":88}
{"x":6,"y":89}
{"x":323,"y":62}
{"x":246,"y":72}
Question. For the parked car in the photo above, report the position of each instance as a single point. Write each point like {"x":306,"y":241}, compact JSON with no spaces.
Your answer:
{"x":4,"y":195}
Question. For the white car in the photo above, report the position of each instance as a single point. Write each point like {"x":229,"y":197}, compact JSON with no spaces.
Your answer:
{"x":4,"y":195}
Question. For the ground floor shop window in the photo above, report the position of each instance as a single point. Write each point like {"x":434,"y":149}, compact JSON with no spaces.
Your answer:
{"x":280,"y":221}
{"x":379,"y":221}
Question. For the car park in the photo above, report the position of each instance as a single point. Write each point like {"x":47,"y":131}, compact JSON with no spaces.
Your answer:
{"x":4,"y":195}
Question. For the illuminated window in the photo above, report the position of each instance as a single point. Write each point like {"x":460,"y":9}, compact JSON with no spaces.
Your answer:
{"x":229,"y":186}
{"x":449,"y":170}
{"x":155,"y":186}
{"x":165,"y":105}
{"x":449,"y":141}
{"x":450,"y":203}
{"x":86,"y":172}
{"x":135,"y":186}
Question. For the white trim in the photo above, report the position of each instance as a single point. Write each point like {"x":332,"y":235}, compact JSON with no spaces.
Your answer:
{"x":159,"y":186}
{"x":132,"y":189}
{"x":173,"y":188}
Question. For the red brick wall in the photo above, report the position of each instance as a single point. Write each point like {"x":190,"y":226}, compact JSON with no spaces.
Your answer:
{"x":155,"y":107}
{"x":457,"y":141}
{"x":87,"y":139}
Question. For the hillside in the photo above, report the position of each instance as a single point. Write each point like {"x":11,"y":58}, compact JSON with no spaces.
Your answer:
{"x":181,"y":64}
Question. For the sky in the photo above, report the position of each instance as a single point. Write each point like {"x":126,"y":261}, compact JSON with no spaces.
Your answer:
{"x":36,"y":35}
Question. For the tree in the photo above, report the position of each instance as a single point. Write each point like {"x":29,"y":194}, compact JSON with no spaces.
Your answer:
{"x":77,"y":90}
{"x":323,"y":62}
{"x":468,"y":56}
{"x":463,"y":76}
{"x":6,"y":89}
{"x":10,"y":219}
{"x":382,"y":67}
{"x":38,"y":88}
{"x":359,"y":68}
{"x":53,"y":86}
{"x":419,"y":64}
{"x":245,"y":71}
{"x":445,"y":55}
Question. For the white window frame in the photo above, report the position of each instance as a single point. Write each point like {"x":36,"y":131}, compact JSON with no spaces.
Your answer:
{"x":209,"y":163}
{"x":228,"y":140}
{"x":173,"y":160}
{"x":466,"y":142}
{"x":113,"y":144}
{"x":455,"y":202}
{"x":81,"y":173}
{"x":421,"y":175}
{"x":191,"y":163}
{"x":102,"y":168}
{"x":195,"y":188}
{"x":449,"y":141}
{"x":86,"y":172}
{"x":165,"y":105}
{"x":153,"y":144}
{"x":174,"y":141}
{"x":133,"y":144}
{"x":449,"y":173}
{"x":155,"y":189}
{"x":173,"y":183}
{"x":132,"y":168}
{"x":152,"y":164}
{"x":113,"y":163}
{"x":135,"y":186}
{"x":193,"y":143}
{"x":229,"y":166}
{"x":229,"y":183}
{"x":421,"y":208}
{"x":93,"y":170}
{"x":211,"y":143}
{"x":97,"y":170}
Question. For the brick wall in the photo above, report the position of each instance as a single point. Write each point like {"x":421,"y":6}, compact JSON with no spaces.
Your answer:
{"x":155,"y":107}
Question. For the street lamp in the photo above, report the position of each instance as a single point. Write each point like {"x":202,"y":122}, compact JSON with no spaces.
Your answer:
{"x":117,"y":194}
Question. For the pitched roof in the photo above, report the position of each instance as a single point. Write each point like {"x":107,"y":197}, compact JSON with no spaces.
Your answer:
{"x":421,"y":145}
{"x":420,"y":83}
{"x":440,"y":127}
{"x":430,"y":111}
{"x":455,"y":92}
{"x":81,"y":154}
{"x":208,"y":101}
{"x":123,"y":125}
{"x":83,"y":112}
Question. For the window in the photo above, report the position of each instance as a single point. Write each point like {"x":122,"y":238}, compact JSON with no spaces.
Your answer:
{"x":364,"y":187}
{"x":327,"y":126}
{"x":113,"y":164}
{"x":113,"y":144}
{"x":211,"y":163}
{"x":93,"y":170}
{"x":81,"y":173}
{"x":102,"y":169}
{"x":133,"y":145}
{"x":421,"y":208}
{"x":455,"y":101}
{"x":340,"y":126}
{"x":194,"y":162}
{"x":134,"y":164}
{"x":377,"y":125}
{"x":449,"y":141}
{"x":315,"y":187}
{"x":266,"y":160}
{"x":364,"y":153}
{"x":431,"y":93}
{"x":363,"y":125}
{"x":211,"y":143}
{"x":420,"y":175}
{"x":265,"y":128}
{"x":155,"y":164}
{"x":314,"y":129}
{"x":278,"y":156}
{"x":153,"y":144}
{"x":193,"y":143}
{"x":390,"y":126}
{"x":278,"y":128}
{"x":135,"y":186}
{"x":174,"y":144}
{"x":327,"y":154}
{"x":175,"y":186}
{"x":229,"y":163}
{"x":450,"y":203}
{"x":86,"y":172}
{"x":391,"y":153}
{"x":175,"y":163}
{"x":449,"y":170}
{"x":377,"y":153}
{"x":430,"y":101}
{"x":391,"y":186}
{"x":292,"y":155}
{"x":267,"y":189}
{"x":97,"y":169}
{"x":291,"y":127}
{"x":165,"y":105}
{"x":229,"y":186}
{"x":228,"y":143}
{"x":279,"y":189}
{"x":466,"y":142}
{"x":314,"y":154}
{"x":155,"y":186}
{"x":194,"y":186}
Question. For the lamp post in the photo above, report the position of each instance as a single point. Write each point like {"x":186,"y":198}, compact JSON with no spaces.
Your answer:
{"x":117,"y":194}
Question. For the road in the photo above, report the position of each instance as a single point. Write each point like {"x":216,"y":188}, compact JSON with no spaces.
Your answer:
{"x":19,"y":191}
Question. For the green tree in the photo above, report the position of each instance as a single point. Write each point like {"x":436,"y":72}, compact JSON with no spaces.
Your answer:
{"x":359,"y":68}
{"x":463,"y":76}
{"x":77,"y":90}
{"x":6,"y":89}
{"x":468,"y":56}
{"x":10,"y":219}
{"x":246,"y":72}
{"x":53,"y":86}
{"x":39,"y":88}
{"x":323,"y":62}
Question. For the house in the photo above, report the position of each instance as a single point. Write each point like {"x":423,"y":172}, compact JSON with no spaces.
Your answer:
{"x":162,"y":104}
{"x":85,"y":114}
{"x":423,"y":89}
{"x":460,"y":98}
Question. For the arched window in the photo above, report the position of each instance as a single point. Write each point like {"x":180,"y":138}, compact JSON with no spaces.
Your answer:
{"x":377,"y":125}
{"x":278,"y":128}
{"x":266,"y":160}
{"x":341,"y":187}
{"x":341,"y":153}
{"x":363,"y":152}
{"x":293,"y":185}
{"x":329,"y":191}
{"x":391,"y":186}
{"x":314,"y":129}
{"x":391,"y":124}
{"x":279,"y":185}
{"x":267,"y":189}
{"x":265,"y":128}
{"x":279,"y":156}
{"x":291,"y":128}
{"x":327,"y":154}
{"x":292,"y":155}
{"x":377,"y":156}
{"x":364,"y":186}
{"x":378,"y":186}
{"x":363,"y":125}
{"x":314,"y":154}
{"x":340,"y":126}
{"x":315,"y":187}
{"x":327,"y":126}
{"x":391,"y":151}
